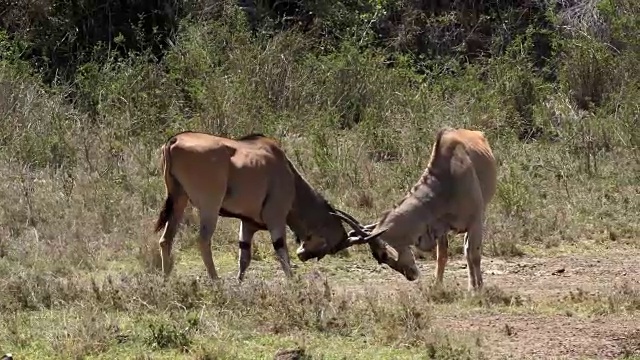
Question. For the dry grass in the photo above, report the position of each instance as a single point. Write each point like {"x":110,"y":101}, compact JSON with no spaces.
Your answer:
{"x":79,"y":193}
{"x":80,"y":275}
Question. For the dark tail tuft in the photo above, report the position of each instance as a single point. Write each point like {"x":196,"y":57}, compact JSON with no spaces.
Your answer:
{"x":165,"y":214}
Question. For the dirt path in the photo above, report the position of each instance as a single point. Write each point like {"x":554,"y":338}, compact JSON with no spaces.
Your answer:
{"x":536,"y":277}
{"x":550,"y":336}
{"x":539,"y":280}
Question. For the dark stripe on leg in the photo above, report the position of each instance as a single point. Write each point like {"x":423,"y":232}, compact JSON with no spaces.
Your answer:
{"x":278,"y":244}
{"x":244,"y":245}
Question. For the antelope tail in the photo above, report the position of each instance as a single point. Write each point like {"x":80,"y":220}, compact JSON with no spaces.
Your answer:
{"x":167,"y":208}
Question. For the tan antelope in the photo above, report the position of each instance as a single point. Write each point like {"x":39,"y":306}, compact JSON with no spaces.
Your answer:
{"x":250,"y":179}
{"x":452,"y":194}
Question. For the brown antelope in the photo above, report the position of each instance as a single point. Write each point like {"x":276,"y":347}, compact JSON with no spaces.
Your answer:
{"x":250,"y":179}
{"x":452,"y":194}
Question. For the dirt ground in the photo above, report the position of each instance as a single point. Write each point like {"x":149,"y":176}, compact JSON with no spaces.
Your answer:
{"x":542,"y":282}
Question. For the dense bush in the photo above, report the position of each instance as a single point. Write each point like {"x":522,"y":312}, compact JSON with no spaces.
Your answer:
{"x":349,"y":108}
{"x":146,"y":69}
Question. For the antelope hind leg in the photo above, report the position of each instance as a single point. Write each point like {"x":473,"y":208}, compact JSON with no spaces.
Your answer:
{"x":170,"y":230}
{"x":473,"y":254}
{"x":208,"y":223}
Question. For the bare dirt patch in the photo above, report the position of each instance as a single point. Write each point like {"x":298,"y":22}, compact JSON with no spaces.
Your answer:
{"x":555,"y":276}
{"x":540,"y":328}
{"x":537,"y":277}
{"x":545,"y":336}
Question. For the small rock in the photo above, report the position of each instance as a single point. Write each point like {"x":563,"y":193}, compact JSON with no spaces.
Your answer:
{"x":558,"y":272}
{"x":291,"y":354}
{"x":508,"y":330}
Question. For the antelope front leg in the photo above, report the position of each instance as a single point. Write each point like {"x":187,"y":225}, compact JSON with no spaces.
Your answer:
{"x":441,"y":263}
{"x":244,"y":257}
{"x":279,"y":242}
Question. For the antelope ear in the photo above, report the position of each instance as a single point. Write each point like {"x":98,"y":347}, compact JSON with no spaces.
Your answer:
{"x":391,"y":253}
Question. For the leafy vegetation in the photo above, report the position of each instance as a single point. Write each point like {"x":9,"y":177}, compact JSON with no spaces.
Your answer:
{"x":355,"y":91}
